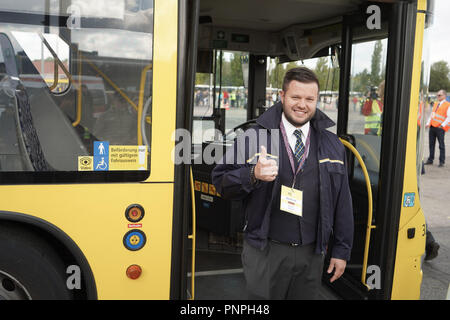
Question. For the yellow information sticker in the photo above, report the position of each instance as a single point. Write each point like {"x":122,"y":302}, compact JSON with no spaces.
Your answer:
{"x":291,"y":200}
{"x":128,"y":157}
{"x":85,"y":163}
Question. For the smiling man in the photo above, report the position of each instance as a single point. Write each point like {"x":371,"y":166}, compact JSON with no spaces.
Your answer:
{"x":296,"y":205}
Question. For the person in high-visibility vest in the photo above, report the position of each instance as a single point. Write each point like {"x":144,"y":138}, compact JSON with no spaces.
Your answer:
{"x":431,"y":245}
{"x":439,"y":123}
{"x":373,"y":109}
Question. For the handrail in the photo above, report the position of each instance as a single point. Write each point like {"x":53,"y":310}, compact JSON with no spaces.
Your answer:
{"x":55,"y":76}
{"x":193,"y":235}
{"x":141,"y":101}
{"x":104,"y":76}
{"x":55,"y":56}
{"x":370,"y":208}
{"x":79,"y":95}
{"x":140,"y":106}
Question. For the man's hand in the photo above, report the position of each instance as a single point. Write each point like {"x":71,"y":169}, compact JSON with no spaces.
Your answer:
{"x":339,"y":266}
{"x":265,"y":170}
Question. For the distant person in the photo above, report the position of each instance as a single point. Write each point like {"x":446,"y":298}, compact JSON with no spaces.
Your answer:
{"x":233,"y":99}
{"x":431,"y":246}
{"x":373,"y":109}
{"x":355,"y":102}
{"x":439,"y":123}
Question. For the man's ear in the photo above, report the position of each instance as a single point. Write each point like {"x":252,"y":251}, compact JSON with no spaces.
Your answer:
{"x":282,"y":96}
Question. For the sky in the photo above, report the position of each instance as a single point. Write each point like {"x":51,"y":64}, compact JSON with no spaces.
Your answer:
{"x":439,"y":40}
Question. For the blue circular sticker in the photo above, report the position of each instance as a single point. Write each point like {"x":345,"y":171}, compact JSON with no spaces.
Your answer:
{"x":134,"y":240}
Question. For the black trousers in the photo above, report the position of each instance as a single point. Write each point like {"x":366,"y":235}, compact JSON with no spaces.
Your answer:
{"x":437,"y":133}
{"x":281,"y":272}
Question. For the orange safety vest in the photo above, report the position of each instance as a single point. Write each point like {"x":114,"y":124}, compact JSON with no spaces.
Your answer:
{"x":419,"y":117}
{"x":438,"y":116}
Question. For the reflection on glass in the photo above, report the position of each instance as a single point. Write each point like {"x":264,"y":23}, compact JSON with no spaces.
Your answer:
{"x":424,"y":102}
{"x":229,"y":94}
{"x":366,"y":104}
{"x":85,"y":80}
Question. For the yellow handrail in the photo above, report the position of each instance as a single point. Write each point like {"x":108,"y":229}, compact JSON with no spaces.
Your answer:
{"x":104,"y":76}
{"x":55,"y":56}
{"x":369,"y":215}
{"x":193,"y":235}
{"x":79,"y":95}
{"x":141,"y":101}
{"x":55,"y":76}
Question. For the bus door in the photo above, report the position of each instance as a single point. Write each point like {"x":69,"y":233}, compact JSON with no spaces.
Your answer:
{"x":221,"y":105}
{"x":375,"y":121}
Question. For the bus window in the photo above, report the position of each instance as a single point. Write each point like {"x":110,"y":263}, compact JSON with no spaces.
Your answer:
{"x":101,"y":92}
{"x":366,"y":102}
{"x":234,"y":88}
{"x":221,"y":96}
{"x":51,"y":61}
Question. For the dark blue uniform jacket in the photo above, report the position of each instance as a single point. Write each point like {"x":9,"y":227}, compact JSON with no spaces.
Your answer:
{"x":232,"y":180}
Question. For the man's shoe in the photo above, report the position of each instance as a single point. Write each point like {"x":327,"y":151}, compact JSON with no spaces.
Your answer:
{"x":431,"y":251}
{"x":429,"y":162}
{"x":441,"y":165}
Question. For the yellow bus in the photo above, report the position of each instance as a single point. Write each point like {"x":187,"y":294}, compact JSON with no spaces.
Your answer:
{"x":94,"y":205}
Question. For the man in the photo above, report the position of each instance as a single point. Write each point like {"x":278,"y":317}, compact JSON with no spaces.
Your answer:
{"x":373,"y":109}
{"x":439,"y":123}
{"x":295,"y":206}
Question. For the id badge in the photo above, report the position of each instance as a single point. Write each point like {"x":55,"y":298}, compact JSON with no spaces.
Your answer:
{"x":291,"y":200}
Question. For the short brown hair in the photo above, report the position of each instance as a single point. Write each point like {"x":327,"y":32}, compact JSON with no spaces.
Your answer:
{"x":300,"y":74}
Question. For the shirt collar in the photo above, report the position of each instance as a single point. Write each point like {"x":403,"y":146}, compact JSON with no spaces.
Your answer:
{"x":290,"y":128}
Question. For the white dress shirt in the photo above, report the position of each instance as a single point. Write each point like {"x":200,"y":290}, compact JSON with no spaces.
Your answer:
{"x":447,"y":120}
{"x":290,"y":128}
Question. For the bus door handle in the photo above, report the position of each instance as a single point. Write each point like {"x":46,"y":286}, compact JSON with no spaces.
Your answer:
{"x":369,"y":226}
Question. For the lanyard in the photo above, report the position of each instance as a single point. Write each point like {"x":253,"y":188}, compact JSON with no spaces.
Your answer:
{"x":289,"y":152}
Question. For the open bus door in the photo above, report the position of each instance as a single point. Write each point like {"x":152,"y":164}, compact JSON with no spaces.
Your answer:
{"x":376,"y":157}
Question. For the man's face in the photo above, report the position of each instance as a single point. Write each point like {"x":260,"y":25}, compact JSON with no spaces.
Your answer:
{"x":299,"y":102}
{"x":440,"y":95}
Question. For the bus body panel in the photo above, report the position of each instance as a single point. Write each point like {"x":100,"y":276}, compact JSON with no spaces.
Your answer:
{"x":95,"y":221}
{"x":410,"y":248}
{"x":93,"y":215}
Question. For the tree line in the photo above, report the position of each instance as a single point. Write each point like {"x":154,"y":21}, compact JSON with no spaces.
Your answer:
{"x":328,"y":75}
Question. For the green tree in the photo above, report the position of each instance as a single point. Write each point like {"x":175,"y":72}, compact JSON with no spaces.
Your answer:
{"x":439,"y":76}
{"x":237,"y":79}
{"x":375,"y":73}
{"x":360,"y":82}
{"x":322,"y":72}
{"x":202,"y":78}
{"x":328,"y":77}
{"x":276,"y":75}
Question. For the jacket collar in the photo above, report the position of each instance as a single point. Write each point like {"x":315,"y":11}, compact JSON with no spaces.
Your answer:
{"x":271,"y":118}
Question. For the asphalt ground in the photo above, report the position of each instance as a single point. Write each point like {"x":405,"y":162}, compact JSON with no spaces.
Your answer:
{"x":435,"y":201}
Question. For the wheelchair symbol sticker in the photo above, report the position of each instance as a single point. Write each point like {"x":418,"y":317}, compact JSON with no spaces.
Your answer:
{"x":101,"y":163}
{"x":408,"y":200}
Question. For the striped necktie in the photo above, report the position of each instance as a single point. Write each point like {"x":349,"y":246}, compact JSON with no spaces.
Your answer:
{"x":299,"y":147}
